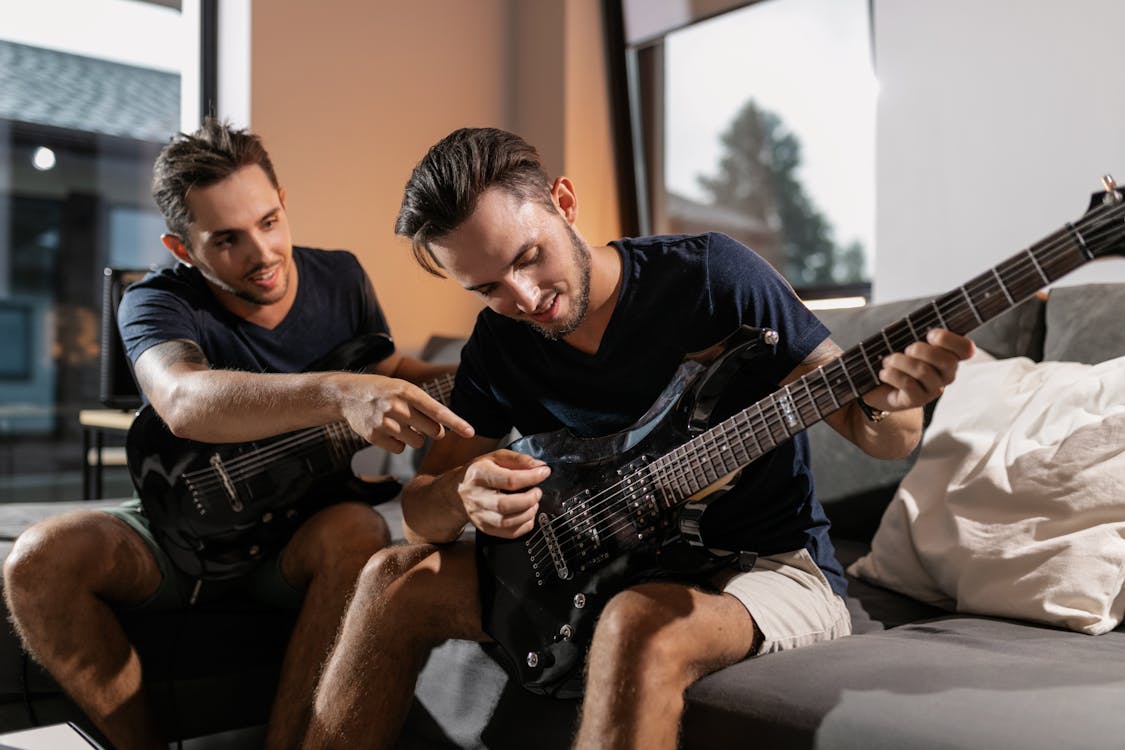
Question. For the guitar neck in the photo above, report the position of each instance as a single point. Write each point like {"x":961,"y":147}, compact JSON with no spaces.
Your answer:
{"x":345,"y":441}
{"x":739,"y":440}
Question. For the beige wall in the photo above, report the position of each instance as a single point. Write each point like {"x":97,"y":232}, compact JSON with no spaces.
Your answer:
{"x":349,"y":94}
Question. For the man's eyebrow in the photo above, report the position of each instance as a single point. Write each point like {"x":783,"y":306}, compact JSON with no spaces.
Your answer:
{"x":524,"y":248}
{"x":267,"y":215}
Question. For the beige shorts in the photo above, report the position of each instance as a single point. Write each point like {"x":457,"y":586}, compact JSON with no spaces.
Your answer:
{"x":790,"y":601}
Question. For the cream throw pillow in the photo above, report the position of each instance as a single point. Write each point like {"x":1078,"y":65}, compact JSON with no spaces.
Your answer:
{"x":1016,"y":505}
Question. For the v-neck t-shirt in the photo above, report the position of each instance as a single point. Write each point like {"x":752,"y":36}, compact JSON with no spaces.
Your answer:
{"x":335,"y":303}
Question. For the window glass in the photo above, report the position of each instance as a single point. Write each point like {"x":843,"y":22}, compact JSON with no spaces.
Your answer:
{"x":760,"y":122}
{"x":90,"y":90}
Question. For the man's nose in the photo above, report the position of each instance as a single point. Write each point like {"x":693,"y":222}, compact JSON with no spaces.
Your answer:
{"x":526,"y":295}
{"x":260,"y":250}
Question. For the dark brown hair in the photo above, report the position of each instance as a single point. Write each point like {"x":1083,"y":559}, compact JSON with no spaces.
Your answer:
{"x":209,"y":155}
{"x":443,"y":190}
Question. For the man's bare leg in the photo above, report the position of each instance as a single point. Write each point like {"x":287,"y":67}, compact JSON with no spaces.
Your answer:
{"x":58,"y":581}
{"x":650,"y":644}
{"x":325,"y":558}
{"x":407,"y":600}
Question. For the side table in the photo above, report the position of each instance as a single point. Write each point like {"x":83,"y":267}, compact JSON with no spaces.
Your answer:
{"x":96,"y":423}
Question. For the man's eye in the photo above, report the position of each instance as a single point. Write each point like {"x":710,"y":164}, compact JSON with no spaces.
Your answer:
{"x":530,"y":258}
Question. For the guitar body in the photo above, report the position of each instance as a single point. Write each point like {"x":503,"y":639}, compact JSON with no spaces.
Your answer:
{"x":217,"y":509}
{"x":541,"y":594}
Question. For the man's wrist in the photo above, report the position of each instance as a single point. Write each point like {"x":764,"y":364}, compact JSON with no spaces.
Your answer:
{"x":873,"y":415}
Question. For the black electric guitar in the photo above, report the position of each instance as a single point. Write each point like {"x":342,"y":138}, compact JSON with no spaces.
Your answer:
{"x":217,"y":509}
{"x":610,"y":511}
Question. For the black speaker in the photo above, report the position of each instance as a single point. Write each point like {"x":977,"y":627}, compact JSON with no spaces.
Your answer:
{"x":118,"y":388}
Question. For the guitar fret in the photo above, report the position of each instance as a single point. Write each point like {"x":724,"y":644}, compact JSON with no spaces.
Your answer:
{"x":767,"y":430}
{"x":912,"y":331}
{"x":812,"y":399}
{"x":969,"y":301}
{"x":1038,"y":268}
{"x":867,"y":361}
{"x":937,"y":311}
{"x":753,"y":432}
{"x":1003,"y":288}
{"x":831,"y":393}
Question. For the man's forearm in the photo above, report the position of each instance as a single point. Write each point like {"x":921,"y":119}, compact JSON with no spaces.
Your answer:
{"x":225,"y":406}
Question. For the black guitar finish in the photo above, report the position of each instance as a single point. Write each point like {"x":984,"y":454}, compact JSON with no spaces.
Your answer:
{"x":610,"y":507}
{"x":218,"y":509}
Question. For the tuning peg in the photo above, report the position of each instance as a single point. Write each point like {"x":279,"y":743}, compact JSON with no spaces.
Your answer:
{"x":1111,"y":193}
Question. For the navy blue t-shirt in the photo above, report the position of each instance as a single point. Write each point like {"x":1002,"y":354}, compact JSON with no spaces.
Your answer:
{"x":679,"y":294}
{"x":335,"y":303}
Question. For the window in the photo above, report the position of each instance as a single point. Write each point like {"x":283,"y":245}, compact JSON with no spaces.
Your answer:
{"x":85,"y":105}
{"x":758,"y":120}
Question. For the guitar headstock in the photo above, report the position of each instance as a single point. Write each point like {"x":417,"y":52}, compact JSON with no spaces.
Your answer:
{"x":1103,"y":225}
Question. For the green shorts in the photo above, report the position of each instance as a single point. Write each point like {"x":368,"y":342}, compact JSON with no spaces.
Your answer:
{"x":264,"y":587}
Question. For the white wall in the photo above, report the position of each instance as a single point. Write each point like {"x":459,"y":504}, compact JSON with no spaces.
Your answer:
{"x":996,"y":121}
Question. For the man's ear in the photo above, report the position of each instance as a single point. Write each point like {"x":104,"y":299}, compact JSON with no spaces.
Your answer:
{"x":177,"y":247}
{"x":563,"y":195}
{"x":281,"y":196}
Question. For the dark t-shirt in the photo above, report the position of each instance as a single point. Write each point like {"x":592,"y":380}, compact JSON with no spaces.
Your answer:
{"x":335,"y":303}
{"x":679,"y":294}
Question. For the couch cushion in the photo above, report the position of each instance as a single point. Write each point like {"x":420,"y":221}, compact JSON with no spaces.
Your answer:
{"x":953,"y":682}
{"x":1016,"y":506}
{"x":1085,"y":323}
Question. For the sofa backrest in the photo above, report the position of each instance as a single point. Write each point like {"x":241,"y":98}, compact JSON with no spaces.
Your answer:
{"x":1084,"y":323}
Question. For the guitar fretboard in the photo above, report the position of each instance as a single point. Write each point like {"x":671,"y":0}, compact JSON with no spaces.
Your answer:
{"x":737,"y":441}
{"x":345,"y":441}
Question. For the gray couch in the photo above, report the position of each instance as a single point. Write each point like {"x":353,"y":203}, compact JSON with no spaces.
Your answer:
{"x":912,"y":676}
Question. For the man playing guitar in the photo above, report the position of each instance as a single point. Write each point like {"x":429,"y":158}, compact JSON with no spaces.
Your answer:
{"x":586,"y":338}
{"x":218,"y":345}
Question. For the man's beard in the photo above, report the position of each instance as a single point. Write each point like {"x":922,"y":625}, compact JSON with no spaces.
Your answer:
{"x":245,"y":295}
{"x":579,"y":297}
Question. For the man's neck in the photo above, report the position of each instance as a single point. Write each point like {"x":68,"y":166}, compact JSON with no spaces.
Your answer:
{"x":605,"y":286}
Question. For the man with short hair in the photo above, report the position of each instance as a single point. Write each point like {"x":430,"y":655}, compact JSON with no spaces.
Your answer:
{"x":219,"y":345}
{"x":586,"y":338}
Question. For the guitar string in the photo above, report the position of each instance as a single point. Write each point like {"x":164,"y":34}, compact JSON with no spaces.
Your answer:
{"x":248,"y":464}
{"x":241,"y":467}
{"x":1050,"y":253}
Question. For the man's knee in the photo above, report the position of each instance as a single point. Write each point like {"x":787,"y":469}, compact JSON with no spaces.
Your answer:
{"x":86,"y":551}
{"x":339,"y":538}
{"x":635,"y":629}
{"x":389,"y":566}
{"x":431,"y":591}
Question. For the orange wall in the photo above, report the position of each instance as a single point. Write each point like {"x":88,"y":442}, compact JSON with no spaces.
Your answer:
{"x":348,"y":95}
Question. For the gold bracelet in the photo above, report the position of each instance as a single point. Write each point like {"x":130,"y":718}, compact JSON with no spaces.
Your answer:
{"x":872,"y":414}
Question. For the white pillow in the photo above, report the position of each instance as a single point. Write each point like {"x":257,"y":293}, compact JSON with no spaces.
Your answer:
{"x":1016,"y":505}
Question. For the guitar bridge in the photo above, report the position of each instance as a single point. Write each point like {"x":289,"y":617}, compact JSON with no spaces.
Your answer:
{"x":228,"y":485}
{"x":553,"y":547}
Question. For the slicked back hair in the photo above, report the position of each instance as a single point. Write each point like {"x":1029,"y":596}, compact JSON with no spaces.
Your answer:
{"x":443,"y":190}
{"x":209,"y":155}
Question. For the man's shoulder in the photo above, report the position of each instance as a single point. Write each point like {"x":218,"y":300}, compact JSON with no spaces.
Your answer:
{"x":325,"y":258}
{"x":180,"y":280}
{"x":689,"y":246}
